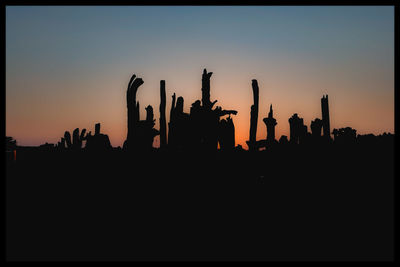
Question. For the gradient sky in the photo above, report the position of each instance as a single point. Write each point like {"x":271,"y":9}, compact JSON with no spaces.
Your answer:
{"x":68,"y":67}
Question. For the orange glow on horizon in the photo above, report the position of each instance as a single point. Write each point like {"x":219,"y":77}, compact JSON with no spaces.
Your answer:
{"x":67,"y":69}
{"x":343,"y":111}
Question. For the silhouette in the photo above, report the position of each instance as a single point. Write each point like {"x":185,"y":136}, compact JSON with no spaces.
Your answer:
{"x":163,"y":125}
{"x":283,"y":140}
{"x":179,"y":125}
{"x":325,"y":116}
{"x":77,"y":139}
{"x":298,"y":130}
{"x":253,"y":117}
{"x":270,"y":122}
{"x":140,"y":133}
{"x":316,"y":127}
{"x":205,"y":90}
{"x":227,"y":134}
{"x":202,"y":129}
{"x":207,"y":120}
{"x":171,"y":119}
{"x":98,"y":141}
{"x":196,"y":125}
{"x":310,"y":197}
{"x":345,"y":135}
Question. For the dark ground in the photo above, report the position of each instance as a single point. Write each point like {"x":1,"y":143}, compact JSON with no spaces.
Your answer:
{"x":296,"y":204}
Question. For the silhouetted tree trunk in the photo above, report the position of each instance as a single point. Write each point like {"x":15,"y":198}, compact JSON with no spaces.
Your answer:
{"x":254,"y":117}
{"x":205,"y":90}
{"x":133,"y":109}
{"x":171,"y":122}
{"x":163,"y":126}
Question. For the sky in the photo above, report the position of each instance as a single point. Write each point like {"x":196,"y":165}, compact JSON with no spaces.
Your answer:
{"x":68,"y":67}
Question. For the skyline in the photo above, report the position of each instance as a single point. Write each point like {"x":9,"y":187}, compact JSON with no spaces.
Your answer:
{"x":87,"y":55}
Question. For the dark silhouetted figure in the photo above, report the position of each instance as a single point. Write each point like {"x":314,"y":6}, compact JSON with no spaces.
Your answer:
{"x":133,"y":111}
{"x":325,"y":117}
{"x":227,"y":134}
{"x":316,"y":127}
{"x":253,"y":117}
{"x":140,"y":133}
{"x":196,"y":125}
{"x":77,"y":139}
{"x":270,"y":122}
{"x":147,"y":131}
{"x":178,"y":125}
{"x":98,"y":141}
{"x":170,"y":126}
{"x":298,"y":131}
{"x":163,"y":122}
{"x":205,"y":90}
{"x":205,"y":128}
{"x":208,"y":119}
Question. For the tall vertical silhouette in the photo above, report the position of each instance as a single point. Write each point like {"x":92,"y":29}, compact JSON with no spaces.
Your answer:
{"x":170,"y":126}
{"x":147,"y":129}
{"x":298,"y":131}
{"x":325,"y":117}
{"x":253,"y":117}
{"x":208,"y":121}
{"x":163,"y":126}
{"x":270,"y":122}
{"x":316,"y":127}
{"x":205,"y":90}
{"x":227,"y":134}
{"x":196,"y":125}
{"x":133,"y":110}
{"x":179,"y":133}
{"x":205,"y":122}
{"x":140,"y":133}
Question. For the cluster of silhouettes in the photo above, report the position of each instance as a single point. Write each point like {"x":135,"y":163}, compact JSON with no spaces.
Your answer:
{"x":96,"y":142}
{"x":204,"y":128}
